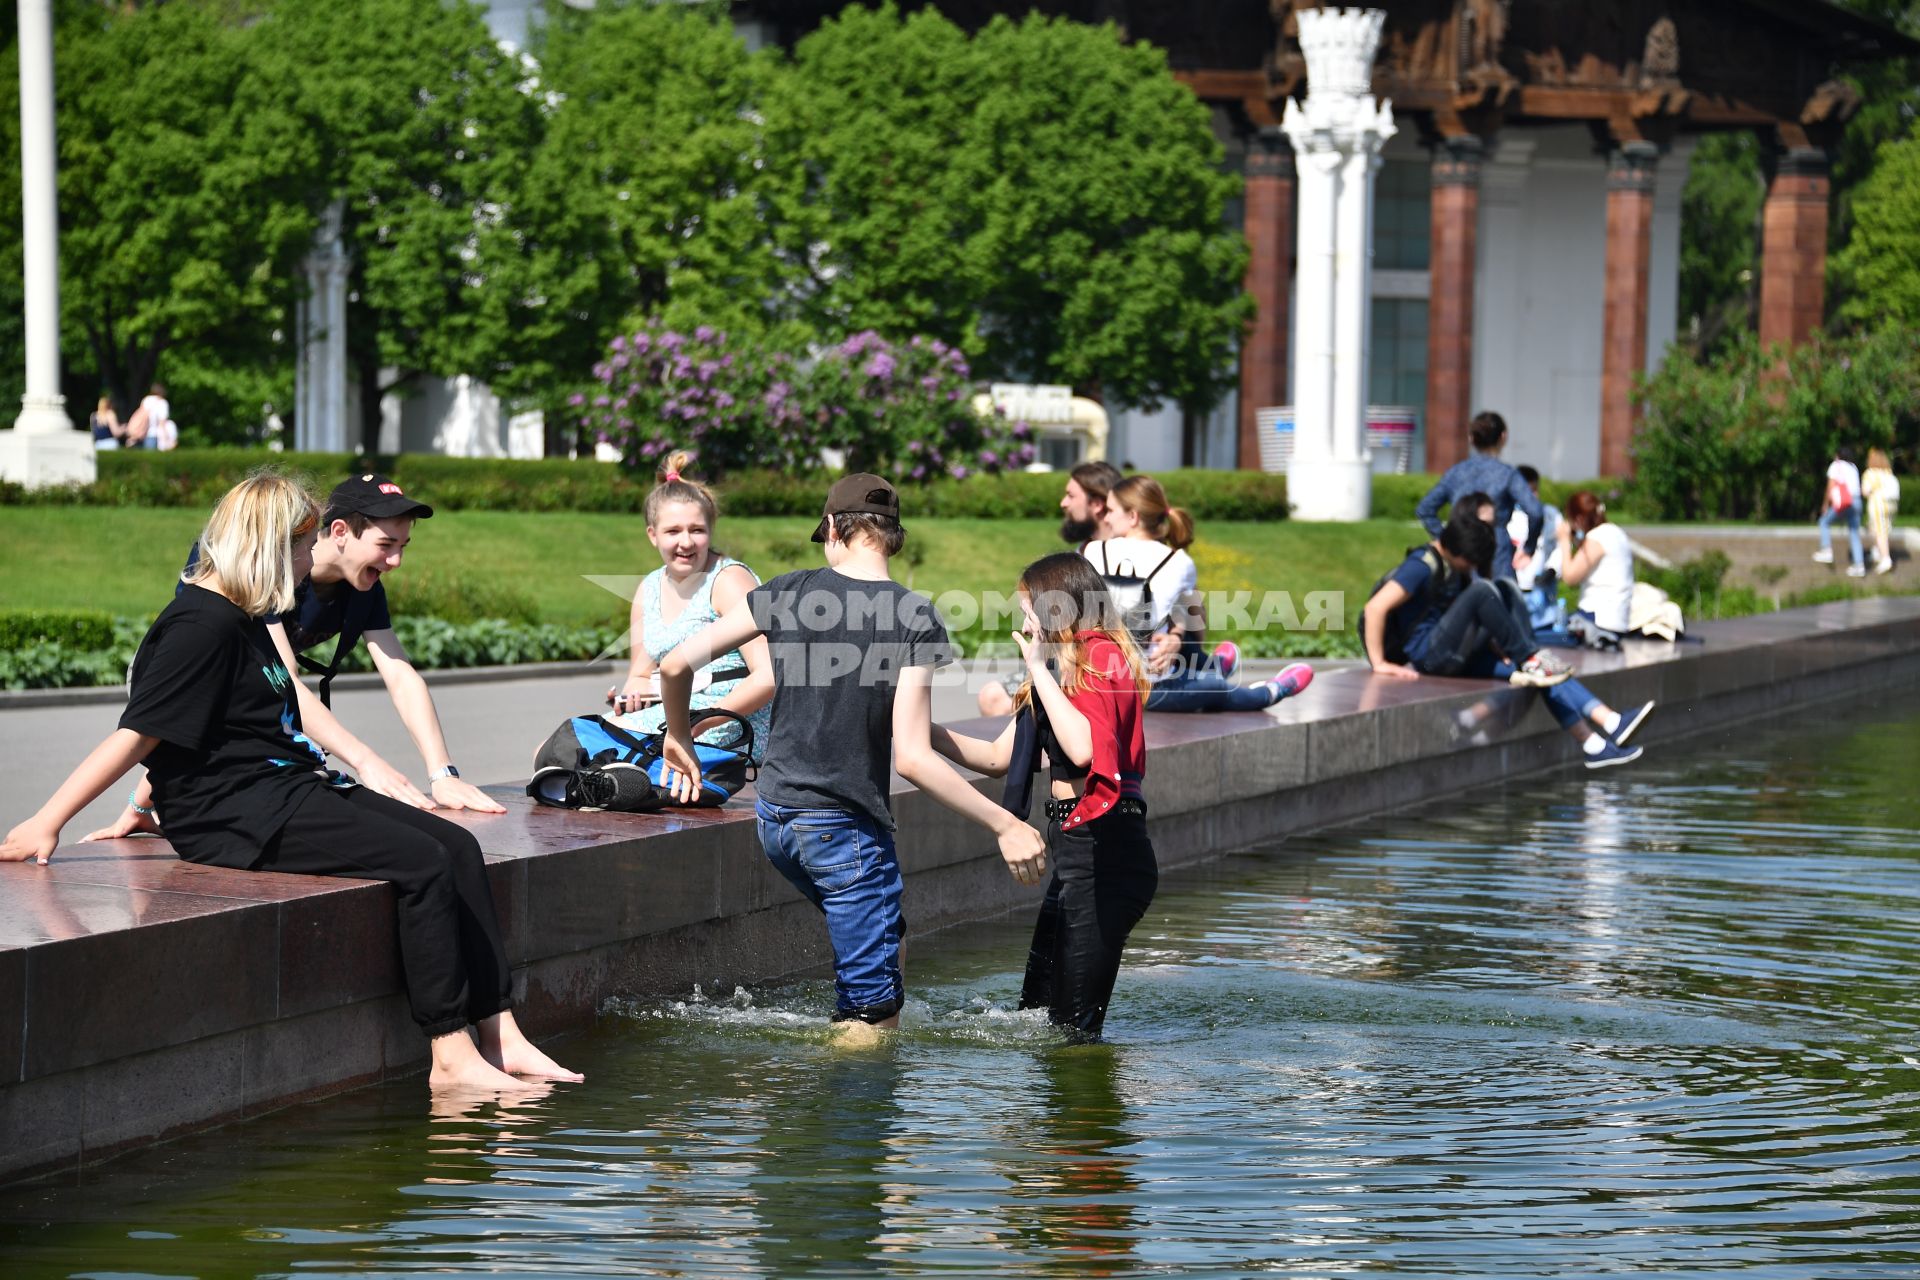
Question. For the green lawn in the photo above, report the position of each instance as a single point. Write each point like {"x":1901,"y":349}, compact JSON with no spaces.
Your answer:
{"x":536,"y":565}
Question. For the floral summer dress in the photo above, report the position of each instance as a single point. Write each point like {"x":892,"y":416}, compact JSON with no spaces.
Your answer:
{"x":726,"y":669}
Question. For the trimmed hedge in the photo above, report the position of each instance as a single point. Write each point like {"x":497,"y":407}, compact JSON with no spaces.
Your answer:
{"x":197,"y":478}
{"x":72,"y":628}
{"x":1395,"y":497}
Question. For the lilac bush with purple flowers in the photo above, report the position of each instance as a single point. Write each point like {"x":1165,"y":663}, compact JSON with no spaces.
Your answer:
{"x":901,"y":409}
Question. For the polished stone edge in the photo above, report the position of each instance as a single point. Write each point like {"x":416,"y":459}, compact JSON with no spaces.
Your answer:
{"x":621,"y":905}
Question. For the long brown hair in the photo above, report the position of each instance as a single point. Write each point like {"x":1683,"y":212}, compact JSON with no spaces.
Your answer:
{"x":1069,"y":597}
{"x":1586,"y":512}
{"x":1143,"y":496}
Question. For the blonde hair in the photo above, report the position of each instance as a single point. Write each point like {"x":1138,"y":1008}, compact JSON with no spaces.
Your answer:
{"x":1068,"y":598}
{"x":674,"y":484}
{"x":249,"y":539}
{"x":1878,"y":459}
{"x":1143,"y":496}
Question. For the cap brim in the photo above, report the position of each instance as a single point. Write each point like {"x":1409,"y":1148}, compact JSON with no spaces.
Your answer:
{"x":389,"y":508}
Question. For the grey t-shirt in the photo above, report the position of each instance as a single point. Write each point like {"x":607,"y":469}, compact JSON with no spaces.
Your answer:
{"x":838,"y":646}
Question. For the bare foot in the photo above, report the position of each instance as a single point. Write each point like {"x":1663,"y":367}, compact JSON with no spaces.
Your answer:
{"x":506,"y":1046}
{"x":477,"y":1076}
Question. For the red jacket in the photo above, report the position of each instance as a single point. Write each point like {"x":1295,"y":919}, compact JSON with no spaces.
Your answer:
{"x":1111,"y":700}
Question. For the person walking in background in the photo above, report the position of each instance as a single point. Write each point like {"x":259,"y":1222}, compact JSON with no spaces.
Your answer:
{"x":1143,"y":559}
{"x":1602,"y":567}
{"x":108,"y":431}
{"x":693,"y":586}
{"x":143,"y":426}
{"x":1881,"y":489}
{"x":1842,"y":502}
{"x":1485,"y":473}
{"x":1087,"y":720}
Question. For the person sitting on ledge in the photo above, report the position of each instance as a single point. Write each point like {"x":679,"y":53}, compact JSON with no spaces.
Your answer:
{"x":1437,"y":614}
{"x":693,"y":586}
{"x":1602,"y":567}
{"x":1154,"y":582}
{"x":214,"y":714}
{"x":341,"y":601}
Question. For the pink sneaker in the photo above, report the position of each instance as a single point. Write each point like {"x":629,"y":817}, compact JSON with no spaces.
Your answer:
{"x":1292,"y":679}
{"x":1226,"y":658}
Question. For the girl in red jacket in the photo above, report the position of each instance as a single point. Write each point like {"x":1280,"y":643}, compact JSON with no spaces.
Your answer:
{"x":1081,"y":704}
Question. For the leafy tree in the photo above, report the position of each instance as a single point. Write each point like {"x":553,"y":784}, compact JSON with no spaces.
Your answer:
{"x":642,"y":200}
{"x":181,"y":179}
{"x":1043,"y":195}
{"x":1720,"y":237}
{"x":1880,"y":266}
{"x":420,"y":119}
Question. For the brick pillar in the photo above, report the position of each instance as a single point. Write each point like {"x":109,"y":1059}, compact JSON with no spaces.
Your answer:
{"x":1456,"y":216}
{"x":1793,"y":248}
{"x":1624,"y":325}
{"x":1269,"y":230}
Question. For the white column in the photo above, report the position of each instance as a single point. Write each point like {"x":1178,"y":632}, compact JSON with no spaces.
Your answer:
{"x":43,"y":448}
{"x":320,"y":392}
{"x":335,"y":385}
{"x":1337,"y":135}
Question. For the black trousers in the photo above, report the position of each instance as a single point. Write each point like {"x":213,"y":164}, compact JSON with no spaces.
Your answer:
{"x":1487,"y":615}
{"x":1104,"y":876}
{"x":450,"y":949}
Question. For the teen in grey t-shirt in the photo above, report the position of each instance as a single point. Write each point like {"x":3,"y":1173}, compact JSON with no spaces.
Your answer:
{"x":853,"y":658}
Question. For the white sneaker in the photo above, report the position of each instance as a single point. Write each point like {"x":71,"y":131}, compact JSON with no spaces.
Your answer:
{"x":1541,"y":671}
{"x":1885,"y":566}
{"x":1856,"y":571}
{"x":1823,"y":556}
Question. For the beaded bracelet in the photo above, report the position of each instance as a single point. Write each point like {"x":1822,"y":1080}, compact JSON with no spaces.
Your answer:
{"x":134,"y":804}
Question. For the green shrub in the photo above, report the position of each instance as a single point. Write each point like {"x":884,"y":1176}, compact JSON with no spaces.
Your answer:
{"x":71,"y":628}
{"x":1747,"y":434}
{"x":1699,"y":587}
{"x":197,"y":478}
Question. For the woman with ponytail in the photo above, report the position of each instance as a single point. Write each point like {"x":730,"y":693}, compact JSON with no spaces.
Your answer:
{"x":214,"y":714}
{"x":1143,"y":557}
{"x":1081,"y":704}
{"x":693,"y":586}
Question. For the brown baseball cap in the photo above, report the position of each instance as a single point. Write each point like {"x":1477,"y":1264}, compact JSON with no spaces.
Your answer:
{"x":860,"y":492}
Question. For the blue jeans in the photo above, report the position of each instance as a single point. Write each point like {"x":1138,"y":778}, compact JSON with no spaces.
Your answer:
{"x":844,"y":864}
{"x":1206,"y":690}
{"x":1852,"y":517}
{"x":1569,"y":702}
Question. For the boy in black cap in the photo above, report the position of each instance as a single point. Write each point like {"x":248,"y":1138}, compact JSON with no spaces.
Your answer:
{"x":853,"y":658}
{"x":368,"y":522}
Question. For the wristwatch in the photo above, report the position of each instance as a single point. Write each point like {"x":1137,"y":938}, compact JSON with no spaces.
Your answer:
{"x":444,"y":771}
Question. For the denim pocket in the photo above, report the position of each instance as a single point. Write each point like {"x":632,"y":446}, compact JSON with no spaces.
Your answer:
{"x":831,"y":855}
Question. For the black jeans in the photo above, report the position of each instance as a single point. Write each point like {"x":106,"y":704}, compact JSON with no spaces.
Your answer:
{"x":450,"y":950}
{"x":1104,"y":875}
{"x":1485,"y":618}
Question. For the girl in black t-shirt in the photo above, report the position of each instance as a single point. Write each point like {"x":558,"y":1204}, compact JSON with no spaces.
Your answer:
{"x":216,"y":717}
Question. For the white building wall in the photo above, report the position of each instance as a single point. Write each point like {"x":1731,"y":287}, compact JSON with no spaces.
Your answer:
{"x":1540,"y":290}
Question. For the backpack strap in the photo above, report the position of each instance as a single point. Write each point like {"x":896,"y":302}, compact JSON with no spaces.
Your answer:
{"x":353,"y":624}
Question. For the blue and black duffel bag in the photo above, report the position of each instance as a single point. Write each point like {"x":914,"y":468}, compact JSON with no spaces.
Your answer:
{"x":591,"y":763}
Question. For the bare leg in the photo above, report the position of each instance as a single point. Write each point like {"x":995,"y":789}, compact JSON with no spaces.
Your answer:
{"x":459,"y":1066}
{"x":505,"y":1045}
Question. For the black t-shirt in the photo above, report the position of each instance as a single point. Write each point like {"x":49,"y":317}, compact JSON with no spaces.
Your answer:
{"x":233,"y":763}
{"x":319,"y":613}
{"x":838,"y":646}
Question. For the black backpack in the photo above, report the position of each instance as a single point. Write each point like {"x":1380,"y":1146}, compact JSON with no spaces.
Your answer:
{"x":1120,"y":585}
{"x":1443,"y":575}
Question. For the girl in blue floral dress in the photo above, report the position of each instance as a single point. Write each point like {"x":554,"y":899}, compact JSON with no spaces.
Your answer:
{"x":692,"y":587}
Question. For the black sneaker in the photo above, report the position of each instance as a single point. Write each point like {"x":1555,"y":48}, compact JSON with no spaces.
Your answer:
{"x":617,"y":788}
